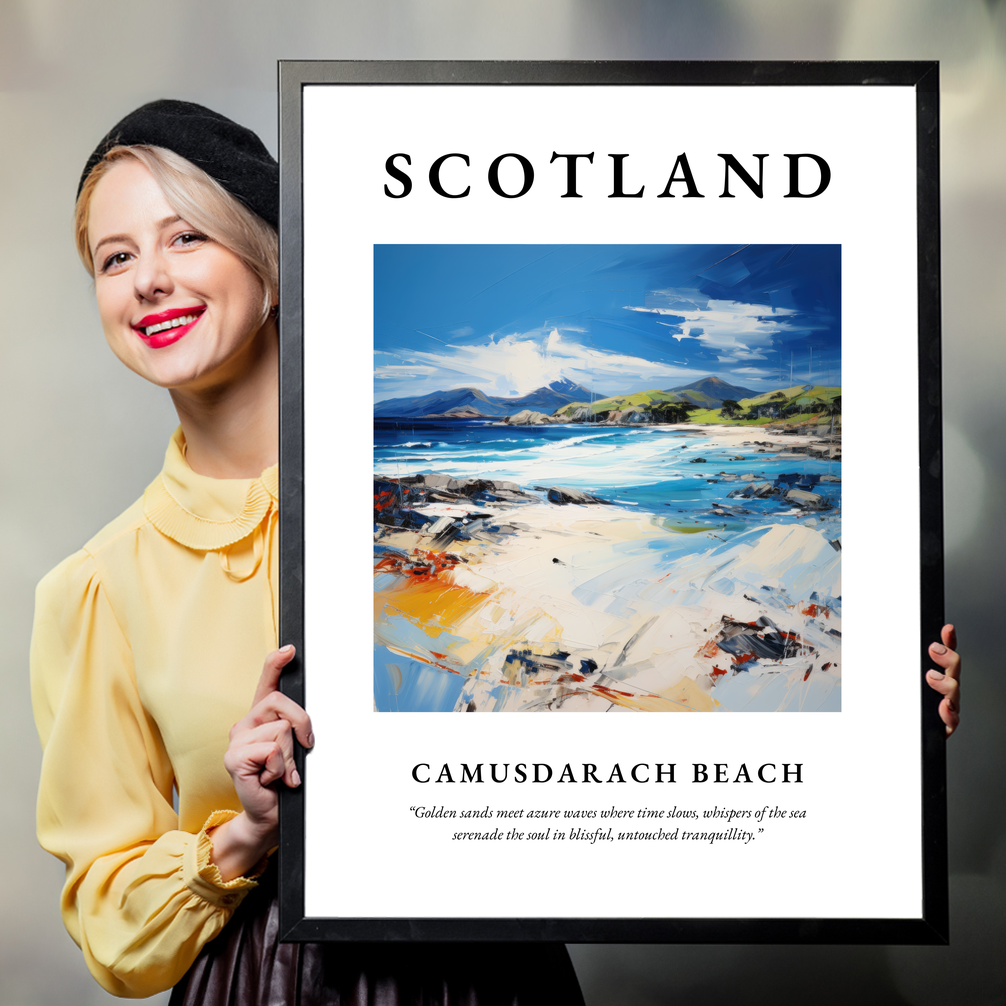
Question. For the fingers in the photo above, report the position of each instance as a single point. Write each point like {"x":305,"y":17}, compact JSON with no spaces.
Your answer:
{"x":261,"y":749}
{"x":947,"y":681}
{"x":271,"y":671}
{"x":265,"y":751}
{"x":262,"y":761}
{"x":949,"y":636}
{"x":277,"y":706}
{"x":947,"y":658}
{"x":949,"y":688}
{"x":280,"y":763}
{"x":271,"y":758}
{"x":949,"y":714}
{"x":951,"y":718}
{"x":270,"y":703}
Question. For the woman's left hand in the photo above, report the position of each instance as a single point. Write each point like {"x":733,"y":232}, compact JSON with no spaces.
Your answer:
{"x":947,"y":682}
{"x":260,"y":754}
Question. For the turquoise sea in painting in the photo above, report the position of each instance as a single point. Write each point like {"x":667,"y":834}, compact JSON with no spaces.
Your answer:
{"x":645,"y":466}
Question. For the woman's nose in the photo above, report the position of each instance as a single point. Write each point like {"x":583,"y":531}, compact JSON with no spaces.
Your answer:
{"x":152,"y":277}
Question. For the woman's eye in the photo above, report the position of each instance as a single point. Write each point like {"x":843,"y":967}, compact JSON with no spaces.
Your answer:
{"x":190,"y":238}
{"x":114,"y":261}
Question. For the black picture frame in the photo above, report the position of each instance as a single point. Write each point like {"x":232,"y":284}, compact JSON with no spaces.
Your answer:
{"x":932,"y":927}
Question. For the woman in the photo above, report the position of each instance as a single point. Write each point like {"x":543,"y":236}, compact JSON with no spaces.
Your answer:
{"x":148,"y":643}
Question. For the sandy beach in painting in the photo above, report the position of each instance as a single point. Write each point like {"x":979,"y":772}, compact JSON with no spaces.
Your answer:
{"x":530,"y":597}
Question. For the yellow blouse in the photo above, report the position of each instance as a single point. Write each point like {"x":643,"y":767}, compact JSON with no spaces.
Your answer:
{"x":147,"y":647}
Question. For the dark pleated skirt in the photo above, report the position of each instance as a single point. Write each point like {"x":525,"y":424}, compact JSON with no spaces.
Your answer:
{"x":246,"y":965}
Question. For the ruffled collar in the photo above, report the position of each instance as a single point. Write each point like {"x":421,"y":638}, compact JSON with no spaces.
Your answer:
{"x":203,"y":513}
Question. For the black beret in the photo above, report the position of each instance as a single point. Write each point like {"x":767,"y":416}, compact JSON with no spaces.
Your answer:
{"x":230,"y":154}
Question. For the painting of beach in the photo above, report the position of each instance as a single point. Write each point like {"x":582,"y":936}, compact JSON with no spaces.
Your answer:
{"x":607,"y":478}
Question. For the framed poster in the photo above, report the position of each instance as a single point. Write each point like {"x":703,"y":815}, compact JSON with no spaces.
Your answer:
{"x":641,"y":362}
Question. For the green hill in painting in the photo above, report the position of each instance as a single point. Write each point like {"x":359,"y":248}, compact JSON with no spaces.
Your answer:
{"x":802,"y":403}
{"x":642,"y":400}
{"x":803,"y":393}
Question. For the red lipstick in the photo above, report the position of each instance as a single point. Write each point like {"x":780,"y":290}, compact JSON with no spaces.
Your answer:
{"x":166,"y":328}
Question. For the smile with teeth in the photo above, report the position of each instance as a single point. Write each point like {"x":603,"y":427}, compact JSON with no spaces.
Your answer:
{"x":185,"y":319}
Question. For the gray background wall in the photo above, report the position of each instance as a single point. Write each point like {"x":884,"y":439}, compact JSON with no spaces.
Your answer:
{"x":82,"y":436}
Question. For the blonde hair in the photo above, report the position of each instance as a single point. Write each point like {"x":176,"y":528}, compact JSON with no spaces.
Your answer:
{"x":199,"y":200}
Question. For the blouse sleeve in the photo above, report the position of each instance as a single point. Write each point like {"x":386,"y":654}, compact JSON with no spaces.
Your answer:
{"x":141,"y":898}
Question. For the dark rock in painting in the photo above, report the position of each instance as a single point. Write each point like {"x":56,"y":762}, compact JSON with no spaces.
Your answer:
{"x":756,"y":490}
{"x":562,"y":494}
{"x":528,"y":417}
{"x":396,"y":499}
{"x":807,"y":501}
{"x":530,"y":662}
{"x":761,"y":640}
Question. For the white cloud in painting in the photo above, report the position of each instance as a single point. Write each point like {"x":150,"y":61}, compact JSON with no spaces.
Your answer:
{"x":460,"y":332}
{"x":401,"y":371}
{"x":677,"y":336}
{"x":737,"y":329}
{"x":751,"y":371}
{"x":521,"y":362}
{"x":741,"y":354}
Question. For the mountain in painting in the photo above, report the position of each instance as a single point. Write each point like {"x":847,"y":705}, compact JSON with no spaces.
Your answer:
{"x":470,"y":402}
{"x":439,"y":403}
{"x":551,"y":397}
{"x":712,"y":392}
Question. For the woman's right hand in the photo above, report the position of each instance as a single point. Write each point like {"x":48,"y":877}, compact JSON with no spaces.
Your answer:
{"x":260,"y":753}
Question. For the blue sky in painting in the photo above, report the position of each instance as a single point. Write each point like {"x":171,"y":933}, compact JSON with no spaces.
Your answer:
{"x":617,"y":319}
